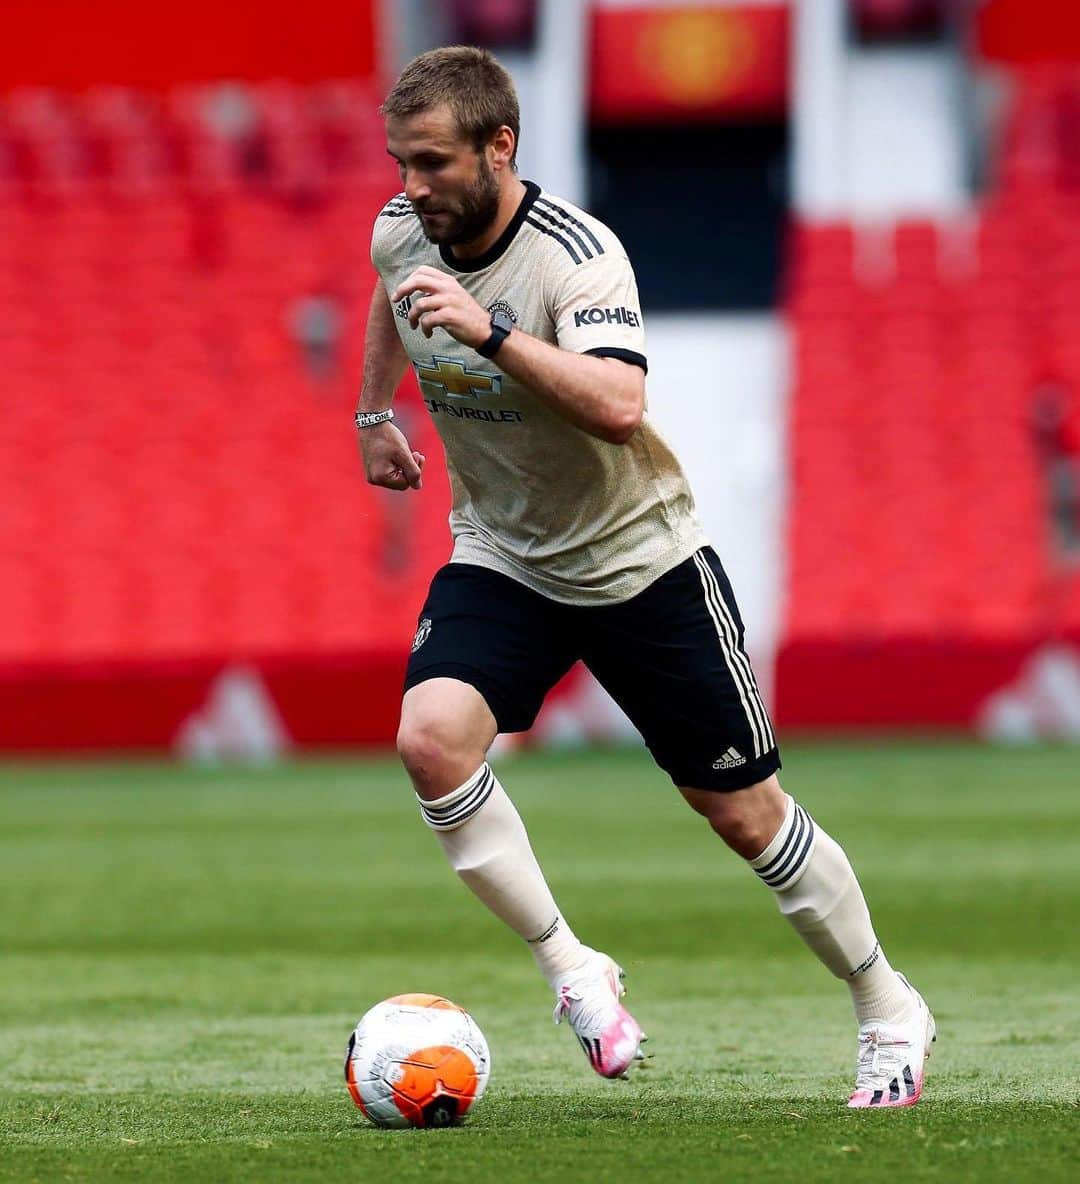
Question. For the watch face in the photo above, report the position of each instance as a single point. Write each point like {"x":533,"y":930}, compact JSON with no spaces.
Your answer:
{"x":502,"y":320}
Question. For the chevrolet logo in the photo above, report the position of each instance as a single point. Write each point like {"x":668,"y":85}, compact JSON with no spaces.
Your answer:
{"x":455,"y":378}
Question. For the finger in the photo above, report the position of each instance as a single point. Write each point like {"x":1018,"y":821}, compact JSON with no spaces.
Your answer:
{"x":406,"y":288}
{"x":433,"y":273}
{"x":420,"y":459}
{"x":422,"y":279}
{"x":423,"y":305}
{"x":430,"y":321}
{"x":410,"y":470}
{"x":394,"y":480}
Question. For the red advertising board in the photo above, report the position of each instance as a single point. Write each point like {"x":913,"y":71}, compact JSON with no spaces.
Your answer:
{"x":214,"y":707}
{"x":662,"y":63}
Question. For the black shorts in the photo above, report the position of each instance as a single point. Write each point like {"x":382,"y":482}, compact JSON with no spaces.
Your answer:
{"x":672,"y":657}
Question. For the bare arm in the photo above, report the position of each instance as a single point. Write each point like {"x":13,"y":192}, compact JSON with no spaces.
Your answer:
{"x":384,"y":355}
{"x":603,"y":396}
{"x":388,"y":459}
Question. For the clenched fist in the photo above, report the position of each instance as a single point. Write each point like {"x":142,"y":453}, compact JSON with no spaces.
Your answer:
{"x":388,"y":459}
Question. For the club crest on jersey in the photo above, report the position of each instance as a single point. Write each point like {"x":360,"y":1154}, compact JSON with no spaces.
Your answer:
{"x":421,"y":634}
{"x":502,"y":306}
{"x":454,"y":379}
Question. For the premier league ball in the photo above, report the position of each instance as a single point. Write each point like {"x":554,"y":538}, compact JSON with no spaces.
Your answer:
{"x":416,"y":1060}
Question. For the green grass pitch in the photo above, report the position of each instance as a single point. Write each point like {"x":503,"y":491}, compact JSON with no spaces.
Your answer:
{"x":183,"y":954}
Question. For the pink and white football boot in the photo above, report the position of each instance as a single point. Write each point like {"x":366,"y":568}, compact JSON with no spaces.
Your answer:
{"x":589,"y":999}
{"x":892,"y":1059}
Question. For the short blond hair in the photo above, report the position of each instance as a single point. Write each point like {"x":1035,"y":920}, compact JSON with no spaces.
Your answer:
{"x":470,"y":81}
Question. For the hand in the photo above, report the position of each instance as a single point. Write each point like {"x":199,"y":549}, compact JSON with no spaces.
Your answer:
{"x":445,"y":304}
{"x":388,"y":459}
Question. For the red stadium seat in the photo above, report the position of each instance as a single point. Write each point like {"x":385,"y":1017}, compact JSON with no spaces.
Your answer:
{"x":174,"y":481}
{"x":917,"y":501}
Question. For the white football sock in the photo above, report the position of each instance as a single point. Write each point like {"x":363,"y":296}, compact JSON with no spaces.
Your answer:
{"x":485,"y":840}
{"x":817,"y":891}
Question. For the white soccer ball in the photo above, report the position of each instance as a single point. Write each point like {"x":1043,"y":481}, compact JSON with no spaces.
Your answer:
{"x":416,"y":1060}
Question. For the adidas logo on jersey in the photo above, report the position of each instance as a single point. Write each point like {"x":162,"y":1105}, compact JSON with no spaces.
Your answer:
{"x":401,"y":309}
{"x":731,"y":759}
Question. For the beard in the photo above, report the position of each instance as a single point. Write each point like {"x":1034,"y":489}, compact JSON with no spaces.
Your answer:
{"x":468,"y":217}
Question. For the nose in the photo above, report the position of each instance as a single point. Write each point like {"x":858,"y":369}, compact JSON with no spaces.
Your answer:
{"x":416,"y":187}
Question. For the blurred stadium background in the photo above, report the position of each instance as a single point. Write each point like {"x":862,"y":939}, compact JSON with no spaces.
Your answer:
{"x":856,"y":227}
{"x":856,"y":231}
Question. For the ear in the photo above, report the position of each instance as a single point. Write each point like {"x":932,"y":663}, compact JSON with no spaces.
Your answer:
{"x":500,"y":149}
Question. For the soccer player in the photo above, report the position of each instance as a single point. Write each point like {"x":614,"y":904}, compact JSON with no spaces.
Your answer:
{"x":574,"y":538}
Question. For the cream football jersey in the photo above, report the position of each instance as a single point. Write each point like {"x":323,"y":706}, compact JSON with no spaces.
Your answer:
{"x":570,"y":516}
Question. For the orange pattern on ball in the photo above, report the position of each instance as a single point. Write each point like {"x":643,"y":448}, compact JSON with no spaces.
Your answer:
{"x":440,"y":1071}
{"x":418,"y":1000}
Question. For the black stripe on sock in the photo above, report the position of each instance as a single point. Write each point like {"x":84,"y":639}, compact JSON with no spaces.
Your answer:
{"x":450,"y":816}
{"x":466,"y":806}
{"x":783,"y":875}
{"x":773,"y":863}
{"x":470,"y":786}
{"x":781,"y":867}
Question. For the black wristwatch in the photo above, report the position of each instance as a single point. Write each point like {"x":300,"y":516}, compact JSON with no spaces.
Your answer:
{"x":501,"y":324}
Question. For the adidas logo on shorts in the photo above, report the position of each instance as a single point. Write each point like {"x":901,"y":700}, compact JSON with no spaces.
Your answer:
{"x":731,"y":759}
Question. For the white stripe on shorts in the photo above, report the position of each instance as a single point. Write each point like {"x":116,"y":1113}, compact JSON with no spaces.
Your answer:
{"x":737,"y":662}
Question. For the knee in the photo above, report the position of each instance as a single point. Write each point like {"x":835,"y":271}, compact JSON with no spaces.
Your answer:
{"x":743,"y":831}
{"x":446,"y":729}
{"x":434,"y":752}
{"x":747,"y":819}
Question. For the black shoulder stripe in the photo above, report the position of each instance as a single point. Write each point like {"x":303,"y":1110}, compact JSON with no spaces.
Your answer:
{"x":570,"y":218}
{"x":566,"y":230}
{"x":566,"y":244}
{"x":396,"y":207}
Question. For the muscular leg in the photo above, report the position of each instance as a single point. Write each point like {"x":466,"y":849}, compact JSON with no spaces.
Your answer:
{"x":814,"y":885}
{"x":446,"y":730}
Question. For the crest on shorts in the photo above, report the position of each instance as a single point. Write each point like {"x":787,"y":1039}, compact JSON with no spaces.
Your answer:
{"x":422,"y":633}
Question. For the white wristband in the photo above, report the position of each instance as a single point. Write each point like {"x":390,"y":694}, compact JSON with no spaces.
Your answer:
{"x":368,"y":419}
